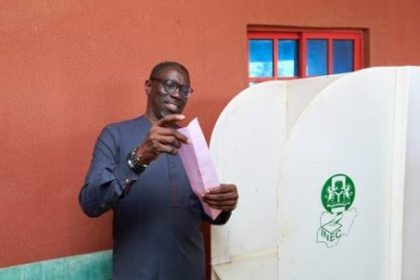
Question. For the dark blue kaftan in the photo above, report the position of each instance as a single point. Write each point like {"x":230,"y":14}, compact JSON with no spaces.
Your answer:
{"x":157,"y":221}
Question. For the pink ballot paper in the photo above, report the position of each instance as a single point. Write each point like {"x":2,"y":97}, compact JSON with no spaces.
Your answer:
{"x":198,"y":164}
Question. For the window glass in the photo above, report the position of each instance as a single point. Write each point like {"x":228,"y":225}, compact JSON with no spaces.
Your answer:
{"x":342,"y":56}
{"x":260,"y":58}
{"x":302,"y":53}
{"x":288,"y":64}
{"x":316,"y":57}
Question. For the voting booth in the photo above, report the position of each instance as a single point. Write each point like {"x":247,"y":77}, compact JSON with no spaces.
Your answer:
{"x":326,"y":170}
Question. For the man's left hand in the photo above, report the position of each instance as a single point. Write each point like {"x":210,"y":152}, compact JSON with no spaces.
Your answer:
{"x":223,"y":197}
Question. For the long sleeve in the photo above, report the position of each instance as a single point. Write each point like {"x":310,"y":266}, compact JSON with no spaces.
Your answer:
{"x":105,"y":182}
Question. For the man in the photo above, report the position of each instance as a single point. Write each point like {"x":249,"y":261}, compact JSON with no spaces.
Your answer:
{"x":136,"y":172}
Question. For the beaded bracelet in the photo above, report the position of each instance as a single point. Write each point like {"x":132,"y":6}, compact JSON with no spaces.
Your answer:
{"x":134,"y":162}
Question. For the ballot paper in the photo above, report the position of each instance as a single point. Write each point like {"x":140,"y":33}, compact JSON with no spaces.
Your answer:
{"x":198,"y":164}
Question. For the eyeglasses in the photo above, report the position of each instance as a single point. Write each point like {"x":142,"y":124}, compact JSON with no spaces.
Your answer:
{"x":170,"y":87}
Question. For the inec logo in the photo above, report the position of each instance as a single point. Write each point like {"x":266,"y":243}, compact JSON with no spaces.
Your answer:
{"x":337,"y":197}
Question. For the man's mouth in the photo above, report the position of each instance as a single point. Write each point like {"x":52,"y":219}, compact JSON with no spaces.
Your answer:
{"x":172,"y":106}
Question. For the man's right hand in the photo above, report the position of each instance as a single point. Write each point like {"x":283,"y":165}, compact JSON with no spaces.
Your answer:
{"x":162,"y":137}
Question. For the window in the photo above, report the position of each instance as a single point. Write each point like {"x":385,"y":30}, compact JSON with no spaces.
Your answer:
{"x":298,"y":54}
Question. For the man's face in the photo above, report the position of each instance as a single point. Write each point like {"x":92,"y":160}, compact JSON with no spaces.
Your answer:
{"x":161,"y":101}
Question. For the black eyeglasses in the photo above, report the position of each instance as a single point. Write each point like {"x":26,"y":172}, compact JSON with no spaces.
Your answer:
{"x":170,"y":86}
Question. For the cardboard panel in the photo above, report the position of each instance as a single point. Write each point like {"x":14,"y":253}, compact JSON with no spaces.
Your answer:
{"x":340,"y":150}
{"x":246,"y":146}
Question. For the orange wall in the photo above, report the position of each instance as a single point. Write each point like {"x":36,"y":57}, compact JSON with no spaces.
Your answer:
{"x":69,"y":67}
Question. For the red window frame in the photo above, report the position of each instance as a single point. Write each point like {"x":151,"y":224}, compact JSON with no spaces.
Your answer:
{"x":302,"y":37}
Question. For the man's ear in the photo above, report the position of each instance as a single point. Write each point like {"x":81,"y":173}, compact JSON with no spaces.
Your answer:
{"x":148,"y":87}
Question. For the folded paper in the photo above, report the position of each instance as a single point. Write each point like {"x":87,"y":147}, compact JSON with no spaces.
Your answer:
{"x":198,"y":164}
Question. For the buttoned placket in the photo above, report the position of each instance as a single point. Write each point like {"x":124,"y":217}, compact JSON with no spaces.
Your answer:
{"x":172,"y":179}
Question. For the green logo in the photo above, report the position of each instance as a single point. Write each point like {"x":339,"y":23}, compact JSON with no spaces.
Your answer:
{"x":338,"y":193}
{"x":337,"y":196}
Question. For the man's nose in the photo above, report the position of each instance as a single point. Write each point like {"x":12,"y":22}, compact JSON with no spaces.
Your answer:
{"x":177,"y":93}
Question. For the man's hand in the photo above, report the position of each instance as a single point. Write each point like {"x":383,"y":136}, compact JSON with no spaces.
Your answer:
{"x":162,"y":138}
{"x":224,"y":197}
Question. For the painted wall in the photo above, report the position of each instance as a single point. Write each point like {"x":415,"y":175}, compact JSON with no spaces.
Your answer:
{"x":69,"y":67}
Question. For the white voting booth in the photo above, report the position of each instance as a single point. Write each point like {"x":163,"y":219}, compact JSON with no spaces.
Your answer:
{"x":326,"y":169}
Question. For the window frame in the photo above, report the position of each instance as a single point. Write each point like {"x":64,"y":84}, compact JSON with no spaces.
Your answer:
{"x":302,"y":36}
